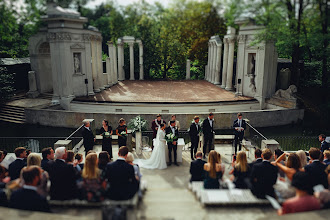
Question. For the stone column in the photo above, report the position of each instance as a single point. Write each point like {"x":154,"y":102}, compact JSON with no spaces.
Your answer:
{"x":110,"y":63}
{"x":121,"y":75}
{"x":218,"y":64}
{"x":100,"y":64}
{"x":33,"y":90}
{"x":131,"y":60}
{"x":109,"y":73}
{"x":240,"y":64}
{"x":207,"y":70}
{"x":115,"y":62}
{"x":188,"y":69}
{"x":230,"y":67}
{"x":211,"y":63}
{"x":214,"y":61}
{"x":141,"y":60}
{"x":225,"y":63}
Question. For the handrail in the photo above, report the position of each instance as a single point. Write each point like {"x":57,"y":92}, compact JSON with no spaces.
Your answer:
{"x":74,"y":132}
{"x":256,"y":131}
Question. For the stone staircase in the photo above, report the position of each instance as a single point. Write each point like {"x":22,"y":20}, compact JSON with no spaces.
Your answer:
{"x":13,"y":114}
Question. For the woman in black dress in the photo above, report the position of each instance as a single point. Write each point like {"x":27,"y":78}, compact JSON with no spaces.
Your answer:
{"x":106,"y":132}
{"x":241,"y":171}
{"x":120,"y":129}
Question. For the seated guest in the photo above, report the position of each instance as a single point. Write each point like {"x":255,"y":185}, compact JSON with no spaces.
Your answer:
{"x":293,"y":165}
{"x":63,"y":177}
{"x":327,"y":171}
{"x":324,"y":144}
{"x":121,"y":178}
{"x":277,"y":154}
{"x":78,"y":158}
{"x":241,"y":171}
{"x":3,"y":196}
{"x":2,"y":156}
{"x":213,"y":171}
{"x":93,"y":187}
{"x":27,"y":197}
{"x":197,"y":168}
{"x":129,"y":160}
{"x":302,"y":157}
{"x":104,"y":159}
{"x":47,"y":155}
{"x":316,"y":169}
{"x":326,"y":160}
{"x":16,"y":166}
{"x":324,"y":198}
{"x":69,"y":157}
{"x":258,"y":158}
{"x":304,"y":201}
{"x":264,"y":176}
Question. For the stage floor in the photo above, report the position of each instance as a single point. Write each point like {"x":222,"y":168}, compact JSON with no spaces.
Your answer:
{"x":185,"y":91}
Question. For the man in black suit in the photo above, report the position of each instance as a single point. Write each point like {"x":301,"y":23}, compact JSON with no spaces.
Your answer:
{"x":324,"y":144}
{"x":257,"y":156}
{"x":239,"y":128}
{"x":264,"y":176}
{"x":20,"y":162}
{"x":172,"y":145}
{"x":27,"y":198}
{"x":47,"y":156}
{"x":316,"y":169}
{"x":194,"y":136}
{"x":88,"y":137}
{"x":121,"y":177}
{"x":207,"y":126}
{"x":197,"y":168}
{"x":63,"y":177}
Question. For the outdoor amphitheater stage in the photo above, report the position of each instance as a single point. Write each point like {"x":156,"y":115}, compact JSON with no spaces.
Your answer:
{"x":162,"y":92}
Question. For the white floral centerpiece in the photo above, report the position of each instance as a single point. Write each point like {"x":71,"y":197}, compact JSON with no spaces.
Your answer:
{"x":137,"y":124}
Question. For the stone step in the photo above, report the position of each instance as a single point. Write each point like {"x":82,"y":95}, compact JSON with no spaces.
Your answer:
{"x":13,"y":114}
{"x":11,"y":119}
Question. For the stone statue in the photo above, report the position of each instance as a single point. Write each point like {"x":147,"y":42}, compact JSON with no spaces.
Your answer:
{"x":288,"y":94}
{"x":252,"y":74}
{"x":76,"y":63}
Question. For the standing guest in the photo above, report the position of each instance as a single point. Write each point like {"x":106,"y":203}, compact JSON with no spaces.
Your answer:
{"x":106,"y":132}
{"x":277,"y":154}
{"x":304,"y":201}
{"x":326,"y":160}
{"x":27,"y":197}
{"x":197,"y":168}
{"x":207,"y":126}
{"x":324,"y":144}
{"x":172,"y":145}
{"x":194,"y":136}
{"x":20,"y":162}
{"x":302,"y":157}
{"x":93,"y":187}
{"x":214,"y":171}
{"x":257,"y":156}
{"x":121,"y":178}
{"x":239,"y":128}
{"x":264,"y":176}
{"x":88,"y":137}
{"x":241,"y":171}
{"x":316,"y":169}
{"x":177,"y":123}
{"x":121,"y":128}
{"x":47,"y":156}
{"x":155,"y":125}
{"x":104,"y":159}
{"x":63,"y":177}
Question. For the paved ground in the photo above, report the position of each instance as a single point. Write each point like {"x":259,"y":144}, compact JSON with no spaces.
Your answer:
{"x":187,"y":91}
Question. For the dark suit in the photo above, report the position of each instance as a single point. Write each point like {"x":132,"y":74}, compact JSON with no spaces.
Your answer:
{"x":263,"y":177}
{"x":45,"y":164}
{"x":3,"y":198}
{"x":170,"y":145}
{"x":197,"y":170}
{"x":88,"y":139}
{"x":208,"y":135}
{"x":317,"y":172}
{"x":194,"y":137}
{"x":28,"y":199}
{"x":121,"y":178}
{"x":63,"y":178}
{"x":15,"y":168}
{"x":258,"y":160}
{"x":239,"y":135}
{"x":326,"y":161}
{"x":324,"y":146}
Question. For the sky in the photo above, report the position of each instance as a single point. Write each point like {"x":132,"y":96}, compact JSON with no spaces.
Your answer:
{"x":94,"y":3}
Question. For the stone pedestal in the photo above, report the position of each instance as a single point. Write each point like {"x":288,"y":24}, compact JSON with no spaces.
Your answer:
{"x":129,"y":140}
{"x":138,"y":142}
{"x":284,"y":79}
{"x":270,"y":144}
{"x":188,"y":70}
{"x":33,"y":90}
{"x":63,"y":143}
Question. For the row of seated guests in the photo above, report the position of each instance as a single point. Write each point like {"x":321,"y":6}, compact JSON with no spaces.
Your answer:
{"x":98,"y":179}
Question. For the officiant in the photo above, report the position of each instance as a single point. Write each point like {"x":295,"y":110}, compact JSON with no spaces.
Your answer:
{"x":154,"y":126}
{"x":239,"y":128}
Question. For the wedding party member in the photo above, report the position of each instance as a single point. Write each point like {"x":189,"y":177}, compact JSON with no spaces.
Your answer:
{"x":20,"y":162}
{"x":47,"y":155}
{"x":155,"y":125}
{"x":172,"y":145}
{"x":93,"y":187}
{"x":197,"y":168}
{"x":207,"y":127}
{"x":303,"y":201}
{"x":121,"y":177}
{"x":194,"y":136}
{"x":177,"y":123}
{"x":257,"y":156}
{"x":106,"y":132}
{"x":214,"y":171}
{"x":302,"y":157}
{"x":239,"y":128}
{"x":104,"y":159}
{"x":122,"y":128}
{"x":88,"y":137}
{"x":324,"y":144}
{"x":326,"y":160}
{"x":27,"y":198}
{"x":316,"y":169}
{"x":241,"y":171}
{"x":264,"y":176}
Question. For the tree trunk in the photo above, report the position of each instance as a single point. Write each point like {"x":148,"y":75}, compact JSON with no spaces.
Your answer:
{"x":323,"y":7}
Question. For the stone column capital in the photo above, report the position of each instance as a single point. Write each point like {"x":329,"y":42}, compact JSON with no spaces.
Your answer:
{"x":242,"y":38}
{"x":110,"y":43}
{"x":231,"y":40}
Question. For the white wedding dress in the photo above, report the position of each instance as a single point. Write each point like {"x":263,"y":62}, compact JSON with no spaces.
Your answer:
{"x":157,"y":159}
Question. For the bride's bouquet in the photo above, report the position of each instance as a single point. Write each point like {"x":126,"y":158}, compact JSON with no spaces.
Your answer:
{"x":171,"y":137}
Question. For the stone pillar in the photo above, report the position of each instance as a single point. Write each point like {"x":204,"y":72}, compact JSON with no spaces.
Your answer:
{"x":240,"y":64}
{"x":109,"y":73}
{"x":100,"y":64}
{"x":211,"y":62}
{"x":225,"y":63}
{"x":214,"y":61}
{"x":141,"y":60}
{"x":131,"y":60}
{"x":110,"y":63}
{"x":121,"y":75}
{"x":218,"y":64}
{"x":33,"y":90}
{"x":115,"y":62}
{"x":207,"y":70}
{"x":188,"y":69}
{"x":230,"y":67}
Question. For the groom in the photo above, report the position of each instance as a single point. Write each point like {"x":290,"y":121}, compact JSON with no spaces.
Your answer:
{"x":172,"y":145}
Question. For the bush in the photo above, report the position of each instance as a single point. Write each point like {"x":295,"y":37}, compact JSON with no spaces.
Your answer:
{"x":6,"y":85}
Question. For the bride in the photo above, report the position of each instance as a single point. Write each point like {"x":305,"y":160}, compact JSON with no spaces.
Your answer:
{"x":157,"y":159}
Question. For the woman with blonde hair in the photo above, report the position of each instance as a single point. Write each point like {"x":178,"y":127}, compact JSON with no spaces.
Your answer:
{"x":121,"y":131}
{"x":241,"y":171}
{"x":93,"y":187}
{"x":213,"y":171}
{"x":303,"y":158}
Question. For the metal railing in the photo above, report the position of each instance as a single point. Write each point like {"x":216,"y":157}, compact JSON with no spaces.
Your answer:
{"x":253,"y":135}
{"x":297,"y":143}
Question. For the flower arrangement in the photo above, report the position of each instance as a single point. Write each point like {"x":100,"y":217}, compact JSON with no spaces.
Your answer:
{"x":200,"y":124}
{"x":138,"y":124}
{"x":171,"y":137}
{"x":106,"y":134}
{"x":123,"y":133}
